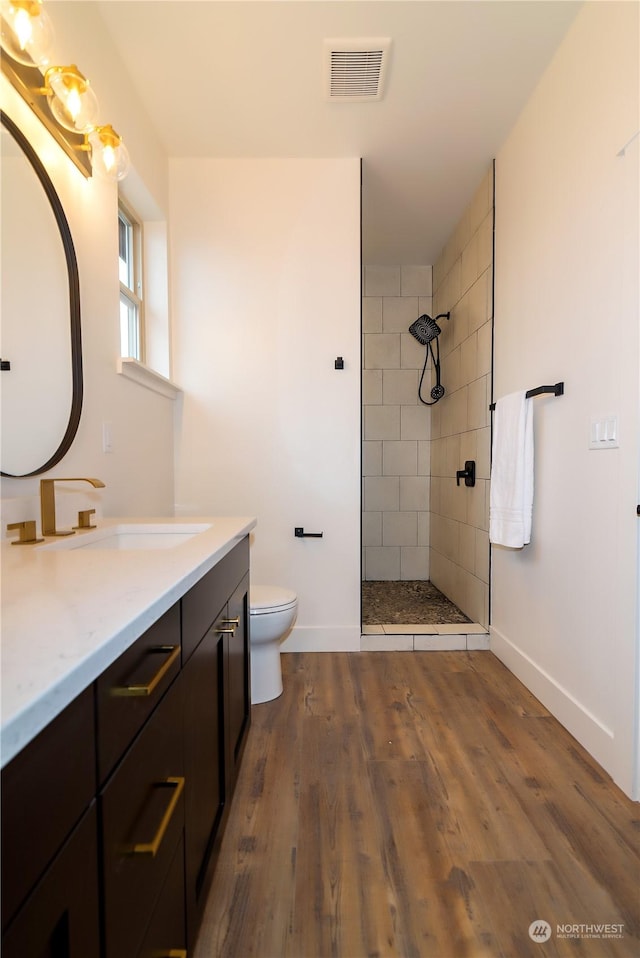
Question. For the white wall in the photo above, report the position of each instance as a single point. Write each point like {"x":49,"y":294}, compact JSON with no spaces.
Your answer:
{"x":265,"y":261}
{"x":139,"y":472}
{"x":566,"y":308}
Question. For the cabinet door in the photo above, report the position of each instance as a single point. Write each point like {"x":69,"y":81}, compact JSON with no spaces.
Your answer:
{"x":166,"y":934}
{"x":203,"y":601}
{"x":204,"y":764}
{"x":238,"y":678}
{"x":60,"y":917}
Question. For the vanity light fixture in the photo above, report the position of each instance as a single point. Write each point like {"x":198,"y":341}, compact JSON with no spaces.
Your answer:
{"x":71,"y":99}
{"x":27,"y":38}
{"x":109,"y":156}
{"x":26,"y":33}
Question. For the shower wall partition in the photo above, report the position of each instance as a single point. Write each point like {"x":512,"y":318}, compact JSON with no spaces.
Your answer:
{"x":417,"y":524}
{"x":460,"y":423}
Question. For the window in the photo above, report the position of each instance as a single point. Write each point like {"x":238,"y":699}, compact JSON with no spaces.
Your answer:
{"x":130,"y":270}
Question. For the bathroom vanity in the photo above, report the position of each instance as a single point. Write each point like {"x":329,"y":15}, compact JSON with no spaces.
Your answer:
{"x":120,"y":750}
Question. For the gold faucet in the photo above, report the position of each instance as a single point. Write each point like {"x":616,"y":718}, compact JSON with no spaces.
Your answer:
{"x":26,"y":531}
{"x":48,"y":504}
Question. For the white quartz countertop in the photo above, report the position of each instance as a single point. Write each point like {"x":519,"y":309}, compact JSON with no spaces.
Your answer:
{"x":67,"y":614}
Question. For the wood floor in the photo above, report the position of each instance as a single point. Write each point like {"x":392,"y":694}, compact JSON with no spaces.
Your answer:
{"x":419,"y":805}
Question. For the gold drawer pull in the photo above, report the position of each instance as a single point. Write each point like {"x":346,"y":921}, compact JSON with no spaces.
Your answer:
{"x":148,"y":689}
{"x":235,"y":621}
{"x":172,"y":953}
{"x":151,"y":848}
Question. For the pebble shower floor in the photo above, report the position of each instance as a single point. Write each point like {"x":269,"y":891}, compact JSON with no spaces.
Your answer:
{"x":399,"y":603}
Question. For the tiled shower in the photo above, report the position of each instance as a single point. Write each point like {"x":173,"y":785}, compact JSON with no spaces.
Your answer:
{"x":417,"y":523}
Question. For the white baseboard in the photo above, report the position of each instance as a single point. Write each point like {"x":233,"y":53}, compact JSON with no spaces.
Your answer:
{"x":322,"y":639}
{"x":583,"y":725}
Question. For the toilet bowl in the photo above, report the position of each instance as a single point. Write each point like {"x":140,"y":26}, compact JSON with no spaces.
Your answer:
{"x":273,"y":611}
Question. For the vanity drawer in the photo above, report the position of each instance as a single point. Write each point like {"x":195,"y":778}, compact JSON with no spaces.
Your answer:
{"x":142,"y":812}
{"x":203,"y":602}
{"x":166,"y":935}
{"x":130,"y":689}
{"x":45,"y":790}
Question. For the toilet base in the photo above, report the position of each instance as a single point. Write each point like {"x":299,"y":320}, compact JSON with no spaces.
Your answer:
{"x":266,"y":672}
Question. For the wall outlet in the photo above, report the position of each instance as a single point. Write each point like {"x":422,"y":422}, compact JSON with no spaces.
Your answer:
{"x":603,"y":433}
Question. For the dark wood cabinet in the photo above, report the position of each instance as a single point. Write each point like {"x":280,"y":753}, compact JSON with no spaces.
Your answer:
{"x":130,"y":689}
{"x":142,"y":816}
{"x":112,"y":816}
{"x":215,"y":630}
{"x":60,"y":918}
{"x":204,"y":764}
{"x":46,"y":789}
{"x":166,"y":933}
{"x":49,"y":855}
{"x":238,"y":677}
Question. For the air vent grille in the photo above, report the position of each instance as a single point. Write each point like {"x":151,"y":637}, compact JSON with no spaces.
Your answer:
{"x":356,"y":68}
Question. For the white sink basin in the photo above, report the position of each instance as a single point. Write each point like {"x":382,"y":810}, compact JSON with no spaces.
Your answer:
{"x":139,"y":535}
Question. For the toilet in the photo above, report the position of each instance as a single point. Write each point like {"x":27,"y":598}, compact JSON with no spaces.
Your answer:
{"x":273,"y":611}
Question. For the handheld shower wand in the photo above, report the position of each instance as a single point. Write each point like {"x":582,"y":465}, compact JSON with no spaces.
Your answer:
{"x":425,"y":330}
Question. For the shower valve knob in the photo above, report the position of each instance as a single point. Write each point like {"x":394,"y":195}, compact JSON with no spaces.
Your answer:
{"x":468,"y":473}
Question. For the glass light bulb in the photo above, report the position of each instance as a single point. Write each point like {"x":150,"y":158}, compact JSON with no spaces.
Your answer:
{"x":109,"y":156}
{"x":71,"y":99}
{"x":26,"y":34}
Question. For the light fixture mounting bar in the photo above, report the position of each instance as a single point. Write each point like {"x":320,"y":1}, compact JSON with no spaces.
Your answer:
{"x":28,"y":81}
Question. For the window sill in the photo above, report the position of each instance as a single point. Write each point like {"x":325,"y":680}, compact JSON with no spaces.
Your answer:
{"x":144,"y":376}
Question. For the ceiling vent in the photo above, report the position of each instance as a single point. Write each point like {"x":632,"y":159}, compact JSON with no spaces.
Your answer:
{"x":356,"y":68}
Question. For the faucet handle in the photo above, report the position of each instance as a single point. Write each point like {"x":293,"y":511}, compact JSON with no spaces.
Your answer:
{"x":84,"y":519}
{"x":26,"y":532}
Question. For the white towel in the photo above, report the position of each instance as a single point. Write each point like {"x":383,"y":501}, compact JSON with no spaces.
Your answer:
{"x":511,"y":501}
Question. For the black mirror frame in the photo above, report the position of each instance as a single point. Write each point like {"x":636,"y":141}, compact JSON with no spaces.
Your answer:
{"x":74,"y":301}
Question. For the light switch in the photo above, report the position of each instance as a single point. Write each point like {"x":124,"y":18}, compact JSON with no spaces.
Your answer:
{"x":603,"y":433}
{"x":107,"y":443}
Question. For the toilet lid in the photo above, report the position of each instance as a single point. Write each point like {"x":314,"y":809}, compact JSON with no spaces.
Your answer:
{"x":270,"y":598}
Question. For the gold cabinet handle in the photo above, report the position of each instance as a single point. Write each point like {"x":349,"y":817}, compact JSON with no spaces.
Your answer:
{"x":151,"y":848}
{"x":124,"y":691}
{"x":172,"y":953}
{"x":235,"y":621}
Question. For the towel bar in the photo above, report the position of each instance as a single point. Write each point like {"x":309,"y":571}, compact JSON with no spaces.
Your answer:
{"x":556,"y":390}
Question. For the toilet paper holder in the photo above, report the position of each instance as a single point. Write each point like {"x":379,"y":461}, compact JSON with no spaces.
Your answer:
{"x":301,"y":534}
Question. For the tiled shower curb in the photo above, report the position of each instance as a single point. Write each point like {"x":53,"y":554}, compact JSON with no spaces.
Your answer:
{"x":462,"y":636}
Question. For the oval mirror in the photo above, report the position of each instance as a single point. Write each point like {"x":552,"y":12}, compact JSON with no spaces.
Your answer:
{"x":41,"y":349}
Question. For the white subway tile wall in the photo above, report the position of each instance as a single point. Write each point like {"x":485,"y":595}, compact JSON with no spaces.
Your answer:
{"x":396,"y":451}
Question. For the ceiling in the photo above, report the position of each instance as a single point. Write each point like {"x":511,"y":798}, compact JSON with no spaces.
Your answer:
{"x":230,"y":78}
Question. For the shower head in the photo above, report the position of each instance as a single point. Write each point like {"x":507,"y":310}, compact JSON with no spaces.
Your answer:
{"x":424,"y":329}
